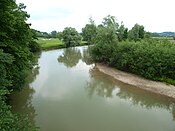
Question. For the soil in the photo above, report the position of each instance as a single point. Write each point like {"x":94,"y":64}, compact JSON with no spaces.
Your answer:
{"x":140,"y":82}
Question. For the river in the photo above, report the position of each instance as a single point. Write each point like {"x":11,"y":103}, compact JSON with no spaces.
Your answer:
{"x":67,"y":93}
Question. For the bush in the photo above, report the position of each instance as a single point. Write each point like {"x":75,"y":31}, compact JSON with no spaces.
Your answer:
{"x":153,"y":59}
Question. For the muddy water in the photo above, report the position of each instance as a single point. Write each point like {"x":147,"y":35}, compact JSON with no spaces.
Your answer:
{"x":67,"y":93}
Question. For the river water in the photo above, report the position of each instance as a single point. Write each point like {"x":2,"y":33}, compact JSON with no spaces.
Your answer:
{"x":68,"y":93}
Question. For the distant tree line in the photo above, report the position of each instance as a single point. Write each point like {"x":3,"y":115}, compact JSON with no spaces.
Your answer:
{"x":109,"y":23}
{"x":71,"y":37}
{"x":52,"y":34}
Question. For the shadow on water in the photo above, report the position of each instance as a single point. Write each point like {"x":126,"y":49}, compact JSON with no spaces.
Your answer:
{"x":106,"y":86}
{"x":70,"y":57}
{"x":21,"y":101}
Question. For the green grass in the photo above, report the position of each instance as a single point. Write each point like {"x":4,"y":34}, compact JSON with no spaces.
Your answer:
{"x":53,"y":43}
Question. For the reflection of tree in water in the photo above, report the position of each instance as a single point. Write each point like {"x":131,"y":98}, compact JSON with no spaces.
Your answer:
{"x":21,"y":101}
{"x":86,"y":57}
{"x":70,"y":57}
{"x":99,"y":84}
{"x":104,"y":86}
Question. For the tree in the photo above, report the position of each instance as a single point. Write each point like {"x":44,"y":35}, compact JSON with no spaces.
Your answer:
{"x":16,"y":59}
{"x":110,"y":22}
{"x":53,"y":34}
{"x":46,"y":35}
{"x":89,"y":32}
{"x":59,"y":35}
{"x":147,"y":35}
{"x":136,"y":33}
{"x":71,"y":37}
{"x":122,"y":32}
{"x":106,"y":39}
{"x":107,"y":31}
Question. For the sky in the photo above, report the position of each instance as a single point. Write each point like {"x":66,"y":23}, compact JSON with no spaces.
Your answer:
{"x":49,"y":15}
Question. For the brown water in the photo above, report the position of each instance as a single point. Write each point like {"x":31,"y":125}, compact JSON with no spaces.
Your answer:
{"x":67,"y":93}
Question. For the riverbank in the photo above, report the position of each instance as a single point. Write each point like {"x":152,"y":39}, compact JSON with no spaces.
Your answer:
{"x":140,"y":82}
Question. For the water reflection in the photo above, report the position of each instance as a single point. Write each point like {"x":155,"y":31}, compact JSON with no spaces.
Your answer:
{"x":70,"y":57}
{"x":21,"y":101}
{"x":105,"y":86}
{"x":99,"y":84}
{"x":86,"y":57}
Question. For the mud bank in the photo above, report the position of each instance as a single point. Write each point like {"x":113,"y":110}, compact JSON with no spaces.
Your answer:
{"x":140,"y":82}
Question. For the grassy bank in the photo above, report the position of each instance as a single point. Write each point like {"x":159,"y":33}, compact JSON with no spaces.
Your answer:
{"x":53,"y":43}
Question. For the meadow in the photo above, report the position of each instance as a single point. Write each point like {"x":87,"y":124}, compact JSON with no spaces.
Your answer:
{"x":53,"y":43}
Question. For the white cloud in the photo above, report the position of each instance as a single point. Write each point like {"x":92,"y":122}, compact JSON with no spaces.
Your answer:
{"x":48,"y":15}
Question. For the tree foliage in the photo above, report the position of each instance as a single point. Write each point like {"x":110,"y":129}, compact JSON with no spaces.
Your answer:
{"x":71,"y":37}
{"x":89,"y":32}
{"x":136,"y":33}
{"x":105,"y":39}
{"x":153,"y":59}
{"x":122,"y":32}
{"x":17,"y":45}
{"x":53,"y":34}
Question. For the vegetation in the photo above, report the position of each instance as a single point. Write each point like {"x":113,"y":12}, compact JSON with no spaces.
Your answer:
{"x":51,"y":43}
{"x":89,"y":32}
{"x":136,"y":33}
{"x":17,"y":45}
{"x":151,"y":58}
{"x":54,"y":43}
{"x":71,"y":37}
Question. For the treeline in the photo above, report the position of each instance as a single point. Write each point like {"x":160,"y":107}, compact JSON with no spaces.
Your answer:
{"x":53,"y":34}
{"x":17,"y":48}
{"x":71,"y":37}
{"x":111,"y":27}
{"x":133,"y":51}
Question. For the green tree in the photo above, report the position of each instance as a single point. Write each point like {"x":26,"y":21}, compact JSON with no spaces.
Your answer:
{"x":16,"y":59}
{"x":110,"y":22}
{"x":59,"y":35}
{"x":106,"y":39}
{"x":53,"y":34}
{"x":45,"y":35}
{"x":136,"y":33}
{"x":122,"y":32}
{"x":71,"y":37}
{"x":89,"y":32}
{"x":147,"y":35}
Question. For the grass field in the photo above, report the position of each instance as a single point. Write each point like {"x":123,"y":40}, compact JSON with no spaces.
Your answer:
{"x":165,"y":38}
{"x":53,"y":43}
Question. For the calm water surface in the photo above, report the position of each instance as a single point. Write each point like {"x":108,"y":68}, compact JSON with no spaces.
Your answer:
{"x":67,"y":93}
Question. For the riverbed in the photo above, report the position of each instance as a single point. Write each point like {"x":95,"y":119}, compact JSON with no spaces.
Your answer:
{"x":68,"y":93}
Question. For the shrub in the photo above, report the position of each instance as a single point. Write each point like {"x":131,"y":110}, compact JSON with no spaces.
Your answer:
{"x":151,"y":58}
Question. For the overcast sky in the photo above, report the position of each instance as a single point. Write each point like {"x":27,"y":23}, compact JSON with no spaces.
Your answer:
{"x":49,"y":15}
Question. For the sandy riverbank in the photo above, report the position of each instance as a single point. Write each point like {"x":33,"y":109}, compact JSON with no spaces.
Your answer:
{"x":140,"y":82}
